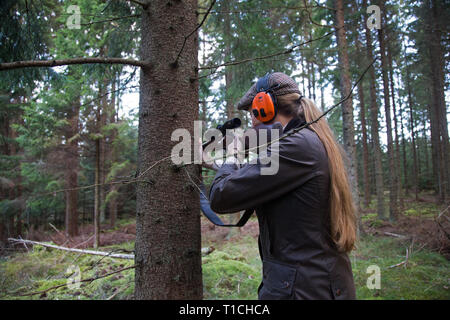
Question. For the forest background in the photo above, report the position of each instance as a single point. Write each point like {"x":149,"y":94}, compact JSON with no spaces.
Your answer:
{"x":91,"y":91}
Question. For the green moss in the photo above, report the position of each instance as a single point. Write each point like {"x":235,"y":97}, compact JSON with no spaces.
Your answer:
{"x":232,"y":271}
{"x":369,"y":217}
{"x":43,"y":268}
{"x":376,"y":223}
{"x":426,"y":276}
{"x":228,"y":278}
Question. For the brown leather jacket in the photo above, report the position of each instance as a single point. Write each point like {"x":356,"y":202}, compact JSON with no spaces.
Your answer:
{"x":300,"y":261}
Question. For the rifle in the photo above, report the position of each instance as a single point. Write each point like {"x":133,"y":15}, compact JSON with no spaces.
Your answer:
{"x":204,"y":201}
{"x":228,"y":125}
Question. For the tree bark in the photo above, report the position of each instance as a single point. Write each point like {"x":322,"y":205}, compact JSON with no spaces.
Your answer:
{"x":113,"y":155}
{"x":405,"y":164}
{"x":425,"y":145}
{"x":71,"y":172}
{"x":412,"y":129}
{"x":394,"y":112}
{"x":103,"y":150}
{"x":97,"y":202}
{"x":233,"y":218}
{"x":362,"y":115}
{"x":437,"y":77}
{"x":168,"y":251}
{"x":375,"y":128}
{"x":347,"y":106}
{"x":393,"y":176}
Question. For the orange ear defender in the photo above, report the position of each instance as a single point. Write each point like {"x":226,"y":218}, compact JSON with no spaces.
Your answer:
{"x":264,"y":105}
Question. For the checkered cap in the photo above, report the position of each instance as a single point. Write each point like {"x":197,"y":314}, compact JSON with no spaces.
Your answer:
{"x":286,"y":85}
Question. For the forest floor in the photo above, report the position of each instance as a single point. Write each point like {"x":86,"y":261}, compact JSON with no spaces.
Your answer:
{"x":412,"y":255}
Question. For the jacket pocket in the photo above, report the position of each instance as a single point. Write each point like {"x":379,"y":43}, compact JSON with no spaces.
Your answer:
{"x":341,"y":279}
{"x":278,"y":281}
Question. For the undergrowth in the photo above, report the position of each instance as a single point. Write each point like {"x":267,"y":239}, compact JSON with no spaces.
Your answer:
{"x":232,"y":271}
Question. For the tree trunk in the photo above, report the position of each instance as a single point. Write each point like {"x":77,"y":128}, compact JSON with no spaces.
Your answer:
{"x":362,"y":114}
{"x":113,"y":208}
{"x":393,"y":176}
{"x":434,"y":31}
{"x":233,"y":218}
{"x":374,"y":129}
{"x":103,"y":148}
{"x":435,"y":149}
{"x":97,"y":200}
{"x":302,"y":63}
{"x":347,"y":106}
{"x":413,"y":139}
{"x":322,"y":98}
{"x":228,"y":72}
{"x":425,"y":146}
{"x":71,"y":172}
{"x":394,"y":111}
{"x":113,"y":153}
{"x":405,"y":164}
{"x":168,"y":246}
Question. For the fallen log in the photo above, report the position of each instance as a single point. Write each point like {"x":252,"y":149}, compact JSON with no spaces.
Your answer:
{"x":394,"y":235}
{"x":97,"y":253}
{"x":205,"y":251}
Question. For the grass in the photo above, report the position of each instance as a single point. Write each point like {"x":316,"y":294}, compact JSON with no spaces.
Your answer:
{"x":232,"y":271}
{"x":42,"y":268}
{"x":426,"y":275}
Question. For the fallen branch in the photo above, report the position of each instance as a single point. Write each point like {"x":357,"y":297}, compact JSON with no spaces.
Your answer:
{"x":97,"y":253}
{"x":205,"y":251}
{"x":403,"y":263}
{"x":84,"y":280}
{"x":398,"y":264}
{"x":408,"y":252}
{"x":394,"y":235}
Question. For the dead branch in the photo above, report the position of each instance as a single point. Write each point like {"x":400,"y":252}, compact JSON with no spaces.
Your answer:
{"x":205,"y":251}
{"x":109,"y":20}
{"x":403,"y":263}
{"x":92,"y":252}
{"x":394,"y":235}
{"x":65,"y":62}
{"x":287,"y":51}
{"x":311,"y":19}
{"x":83,"y":280}
{"x":175,"y":63}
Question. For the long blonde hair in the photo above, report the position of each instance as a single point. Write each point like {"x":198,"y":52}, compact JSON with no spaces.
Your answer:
{"x":342,"y":208}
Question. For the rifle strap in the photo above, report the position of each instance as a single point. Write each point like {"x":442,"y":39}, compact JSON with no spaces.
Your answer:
{"x":212,"y":216}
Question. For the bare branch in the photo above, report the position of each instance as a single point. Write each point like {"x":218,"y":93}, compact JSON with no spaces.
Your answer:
{"x":96,"y":253}
{"x":193,"y":31}
{"x":314,"y":22}
{"x":84,"y":280}
{"x":267,"y":9}
{"x":110,"y":20}
{"x":287,"y":51}
{"x":64,"y":62}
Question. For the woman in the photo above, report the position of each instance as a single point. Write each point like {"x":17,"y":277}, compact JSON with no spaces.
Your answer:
{"x":305,"y":211}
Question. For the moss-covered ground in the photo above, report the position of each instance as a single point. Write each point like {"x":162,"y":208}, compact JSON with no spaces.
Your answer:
{"x":232,"y":270}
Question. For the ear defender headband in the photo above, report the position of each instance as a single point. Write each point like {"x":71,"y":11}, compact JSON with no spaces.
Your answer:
{"x":264,"y":105}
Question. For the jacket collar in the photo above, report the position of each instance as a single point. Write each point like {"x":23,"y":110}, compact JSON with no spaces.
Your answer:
{"x":294,"y":123}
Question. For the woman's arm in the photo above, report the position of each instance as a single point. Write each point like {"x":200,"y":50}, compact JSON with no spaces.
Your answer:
{"x":235,"y":189}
